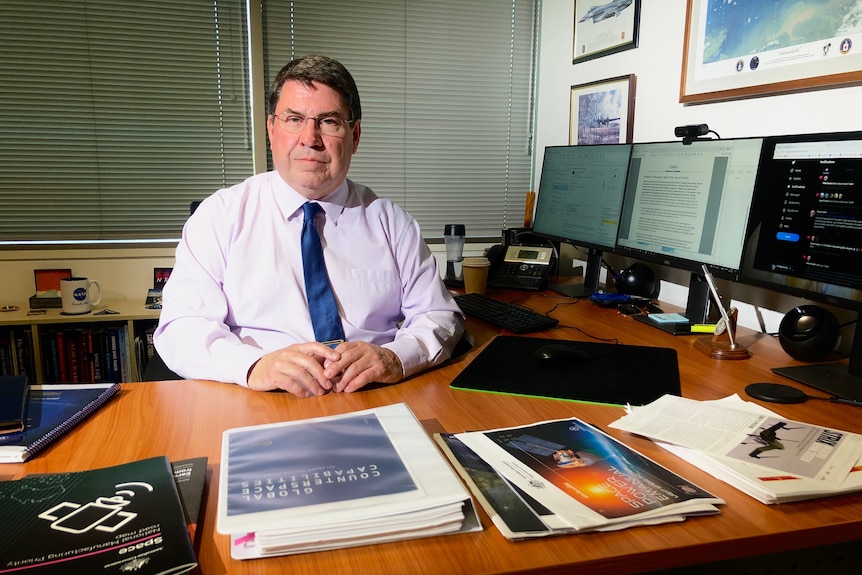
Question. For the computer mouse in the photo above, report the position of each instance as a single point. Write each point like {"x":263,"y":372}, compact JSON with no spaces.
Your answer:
{"x":557,"y":354}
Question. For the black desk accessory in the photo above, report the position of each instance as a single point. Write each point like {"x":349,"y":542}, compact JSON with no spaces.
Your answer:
{"x":617,"y":374}
{"x":13,"y":403}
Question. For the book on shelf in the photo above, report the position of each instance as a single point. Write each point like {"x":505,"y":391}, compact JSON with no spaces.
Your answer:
{"x":566,"y":476}
{"x":85,"y":354}
{"x":52,"y":410}
{"x":771,"y":458}
{"x":358,"y":478}
{"x":126,"y":518}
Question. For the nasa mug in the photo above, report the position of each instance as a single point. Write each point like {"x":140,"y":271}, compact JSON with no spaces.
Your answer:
{"x":75,"y":295}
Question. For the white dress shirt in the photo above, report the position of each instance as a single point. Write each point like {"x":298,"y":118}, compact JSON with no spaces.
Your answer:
{"x":237,"y":292}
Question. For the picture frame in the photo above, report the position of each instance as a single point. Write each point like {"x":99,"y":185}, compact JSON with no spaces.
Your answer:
{"x":719,"y":66}
{"x":602,"y":112}
{"x":606,"y":28}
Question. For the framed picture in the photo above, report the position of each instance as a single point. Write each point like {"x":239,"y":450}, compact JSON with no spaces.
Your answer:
{"x":603,"y":112}
{"x":602,"y":29}
{"x":160,"y":277}
{"x":749,"y":48}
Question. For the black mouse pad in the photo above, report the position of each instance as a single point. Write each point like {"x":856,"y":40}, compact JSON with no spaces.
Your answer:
{"x":617,"y":374}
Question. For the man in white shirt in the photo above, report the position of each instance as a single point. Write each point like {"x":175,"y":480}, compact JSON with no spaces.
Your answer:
{"x":235,"y":308}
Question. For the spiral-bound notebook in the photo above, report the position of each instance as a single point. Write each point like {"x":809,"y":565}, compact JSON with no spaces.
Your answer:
{"x":52,"y":410}
{"x":607,"y":373}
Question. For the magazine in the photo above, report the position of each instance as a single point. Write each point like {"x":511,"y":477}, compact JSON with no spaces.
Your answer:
{"x":587,"y":479}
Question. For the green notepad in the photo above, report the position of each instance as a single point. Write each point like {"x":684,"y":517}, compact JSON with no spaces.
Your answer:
{"x":617,"y":374}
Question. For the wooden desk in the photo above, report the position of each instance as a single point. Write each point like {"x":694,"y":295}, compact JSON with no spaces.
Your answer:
{"x":186,"y":418}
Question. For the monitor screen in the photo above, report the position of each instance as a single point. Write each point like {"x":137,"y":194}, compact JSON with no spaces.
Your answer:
{"x":806,"y":218}
{"x":803,"y":238}
{"x":688,"y":205}
{"x":580,"y":194}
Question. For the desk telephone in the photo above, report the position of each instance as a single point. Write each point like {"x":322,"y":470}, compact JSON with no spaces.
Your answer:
{"x":519,"y":267}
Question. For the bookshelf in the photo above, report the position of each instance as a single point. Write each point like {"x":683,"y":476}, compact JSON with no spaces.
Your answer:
{"x":28,"y":342}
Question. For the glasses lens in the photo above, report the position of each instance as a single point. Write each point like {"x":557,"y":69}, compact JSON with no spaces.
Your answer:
{"x":328,"y":125}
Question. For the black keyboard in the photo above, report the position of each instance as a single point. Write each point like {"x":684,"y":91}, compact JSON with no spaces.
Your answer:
{"x":508,"y":316}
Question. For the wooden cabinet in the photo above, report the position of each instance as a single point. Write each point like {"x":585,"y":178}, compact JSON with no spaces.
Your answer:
{"x":53,"y":347}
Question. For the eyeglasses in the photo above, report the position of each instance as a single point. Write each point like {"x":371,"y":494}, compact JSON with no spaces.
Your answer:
{"x":328,"y":125}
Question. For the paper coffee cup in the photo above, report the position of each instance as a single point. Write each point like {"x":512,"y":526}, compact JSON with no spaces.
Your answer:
{"x":475,"y":272}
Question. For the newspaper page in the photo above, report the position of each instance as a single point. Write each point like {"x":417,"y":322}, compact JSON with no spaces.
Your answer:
{"x":749,"y":436}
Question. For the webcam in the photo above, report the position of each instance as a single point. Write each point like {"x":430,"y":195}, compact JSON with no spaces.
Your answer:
{"x":692,"y":131}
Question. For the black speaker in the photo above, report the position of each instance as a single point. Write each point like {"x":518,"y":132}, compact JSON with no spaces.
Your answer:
{"x":637,"y":279}
{"x":809,"y":333}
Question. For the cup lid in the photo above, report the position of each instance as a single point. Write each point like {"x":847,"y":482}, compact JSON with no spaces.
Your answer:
{"x":454,"y":230}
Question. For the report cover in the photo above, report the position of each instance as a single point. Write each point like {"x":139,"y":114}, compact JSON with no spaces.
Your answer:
{"x":121,"y":519}
{"x":344,"y":480}
{"x":328,"y":461}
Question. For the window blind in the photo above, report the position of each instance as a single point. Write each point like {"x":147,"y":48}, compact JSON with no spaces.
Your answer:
{"x":115,"y":114}
{"x":447,"y":94}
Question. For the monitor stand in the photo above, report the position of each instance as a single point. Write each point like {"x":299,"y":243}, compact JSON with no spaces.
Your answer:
{"x":591,"y":278}
{"x":838,"y":379}
{"x":696,"y":310}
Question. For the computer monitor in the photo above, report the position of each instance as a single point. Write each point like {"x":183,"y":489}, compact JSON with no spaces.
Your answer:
{"x":687,"y":205}
{"x":804,"y":234}
{"x":580,"y":194}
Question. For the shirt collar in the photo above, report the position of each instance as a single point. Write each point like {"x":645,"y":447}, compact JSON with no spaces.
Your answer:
{"x":290,"y":202}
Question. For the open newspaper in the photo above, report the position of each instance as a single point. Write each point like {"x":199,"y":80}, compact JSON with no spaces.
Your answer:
{"x":771,"y":458}
{"x":572,"y":478}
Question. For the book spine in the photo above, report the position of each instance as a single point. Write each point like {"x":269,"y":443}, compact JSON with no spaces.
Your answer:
{"x":98,"y":355}
{"x":114,"y":353}
{"x":6,"y":367}
{"x":73,"y":353}
{"x":62,"y":356}
{"x":24,"y":353}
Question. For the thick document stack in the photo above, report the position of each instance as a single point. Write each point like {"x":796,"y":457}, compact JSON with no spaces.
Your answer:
{"x":565,"y":476}
{"x":359,"y":478}
{"x":770,"y":458}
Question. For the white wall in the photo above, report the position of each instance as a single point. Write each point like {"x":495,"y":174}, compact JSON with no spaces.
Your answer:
{"x":657,"y":64}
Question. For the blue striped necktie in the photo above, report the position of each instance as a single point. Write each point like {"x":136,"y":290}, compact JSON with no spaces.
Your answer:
{"x":321,"y":301}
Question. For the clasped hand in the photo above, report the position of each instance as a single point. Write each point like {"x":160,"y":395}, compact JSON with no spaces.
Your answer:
{"x":310,"y":369}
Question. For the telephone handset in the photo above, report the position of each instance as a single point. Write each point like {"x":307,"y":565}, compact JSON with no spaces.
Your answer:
{"x":519,"y":267}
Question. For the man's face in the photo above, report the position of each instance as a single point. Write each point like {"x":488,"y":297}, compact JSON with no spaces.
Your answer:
{"x":312,"y":163}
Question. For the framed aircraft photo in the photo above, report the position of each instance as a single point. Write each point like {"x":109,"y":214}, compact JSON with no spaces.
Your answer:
{"x":602,"y":112}
{"x":603,"y":28}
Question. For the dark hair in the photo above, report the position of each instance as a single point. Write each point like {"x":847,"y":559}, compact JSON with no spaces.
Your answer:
{"x":320,"y":69}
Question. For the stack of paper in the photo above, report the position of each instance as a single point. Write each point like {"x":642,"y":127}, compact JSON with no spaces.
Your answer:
{"x":340,"y":481}
{"x":565,"y":476}
{"x":771,"y":458}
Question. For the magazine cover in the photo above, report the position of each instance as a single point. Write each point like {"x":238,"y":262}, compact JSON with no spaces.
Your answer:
{"x":513,"y":512}
{"x":583,"y":464}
